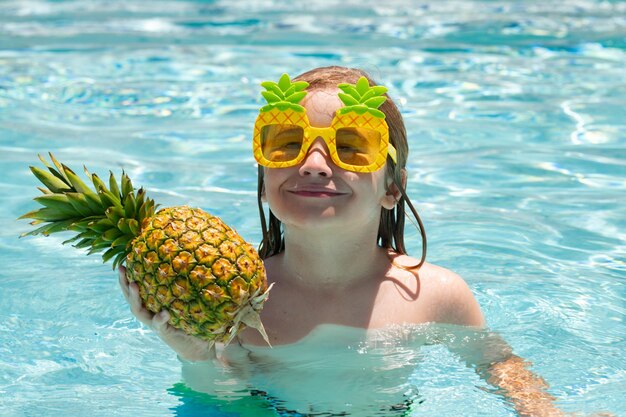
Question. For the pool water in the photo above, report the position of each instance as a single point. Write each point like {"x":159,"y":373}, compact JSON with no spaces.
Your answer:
{"x":517,"y":126}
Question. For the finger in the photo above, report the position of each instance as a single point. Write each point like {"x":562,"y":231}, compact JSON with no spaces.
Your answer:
{"x":136,"y":307}
{"x":174,"y":337}
{"x":123,"y":281}
{"x":185,"y":345}
{"x":133,"y":295}
{"x":160,"y":321}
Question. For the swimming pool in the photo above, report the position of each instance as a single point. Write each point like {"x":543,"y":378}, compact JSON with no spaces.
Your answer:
{"x":517,"y":127}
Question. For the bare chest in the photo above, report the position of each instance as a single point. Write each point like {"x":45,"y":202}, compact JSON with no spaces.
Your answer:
{"x":291,"y":315}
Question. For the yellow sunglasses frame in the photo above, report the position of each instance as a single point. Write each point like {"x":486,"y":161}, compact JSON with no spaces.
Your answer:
{"x":328,"y":134}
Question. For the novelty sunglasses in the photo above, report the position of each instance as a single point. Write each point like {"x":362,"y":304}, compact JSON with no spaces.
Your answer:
{"x":357,"y":139}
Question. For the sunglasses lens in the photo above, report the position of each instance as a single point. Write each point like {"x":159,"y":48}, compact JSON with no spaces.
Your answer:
{"x":358,"y":146}
{"x":281,"y":142}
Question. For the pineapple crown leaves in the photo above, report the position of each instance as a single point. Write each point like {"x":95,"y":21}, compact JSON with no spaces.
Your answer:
{"x":284,"y":94}
{"x":361,"y":98}
{"x":107,"y":219}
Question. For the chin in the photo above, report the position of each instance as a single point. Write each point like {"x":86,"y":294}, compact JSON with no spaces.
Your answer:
{"x":314,"y":218}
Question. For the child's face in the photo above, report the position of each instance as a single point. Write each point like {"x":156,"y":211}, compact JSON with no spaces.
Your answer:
{"x":317,"y":193}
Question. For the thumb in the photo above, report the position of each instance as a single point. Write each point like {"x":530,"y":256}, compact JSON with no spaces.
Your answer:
{"x":160,"y":320}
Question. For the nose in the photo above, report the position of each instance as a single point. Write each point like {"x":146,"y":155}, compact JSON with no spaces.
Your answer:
{"x":317,"y":160}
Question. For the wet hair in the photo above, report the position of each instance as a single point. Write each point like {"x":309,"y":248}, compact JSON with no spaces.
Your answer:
{"x":391,"y":227}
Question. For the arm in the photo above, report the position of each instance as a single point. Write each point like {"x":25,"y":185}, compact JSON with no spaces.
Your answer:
{"x":526,"y":390}
{"x":492,"y":357}
{"x":187,"y":347}
{"x":494,"y":361}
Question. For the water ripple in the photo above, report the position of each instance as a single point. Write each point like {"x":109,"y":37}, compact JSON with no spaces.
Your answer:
{"x":515,"y":116}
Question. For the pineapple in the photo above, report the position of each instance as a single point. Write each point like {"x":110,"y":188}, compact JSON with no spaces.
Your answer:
{"x":183,"y":259}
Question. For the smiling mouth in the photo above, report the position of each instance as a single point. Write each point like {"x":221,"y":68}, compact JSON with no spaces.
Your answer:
{"x":317,"y":193}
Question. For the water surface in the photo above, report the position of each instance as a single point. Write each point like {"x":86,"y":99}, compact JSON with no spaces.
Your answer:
{"x":516,"y":122}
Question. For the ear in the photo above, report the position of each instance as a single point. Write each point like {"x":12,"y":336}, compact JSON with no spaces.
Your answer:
{"x":263,"y":196}
{"x":393,"y":195}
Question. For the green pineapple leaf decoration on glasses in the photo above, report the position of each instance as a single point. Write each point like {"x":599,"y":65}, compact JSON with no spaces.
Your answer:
{"x":284,"y":94}
{"x":361,"y":98}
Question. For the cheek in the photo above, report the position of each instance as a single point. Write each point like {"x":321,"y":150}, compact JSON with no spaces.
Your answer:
{"x":371,"y":185}
{"x":272,"y":180}
{"x":380,"y":192}
{"x":269,"y":177}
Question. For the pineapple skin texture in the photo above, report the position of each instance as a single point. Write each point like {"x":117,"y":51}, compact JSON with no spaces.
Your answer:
{"x":202,"y":272}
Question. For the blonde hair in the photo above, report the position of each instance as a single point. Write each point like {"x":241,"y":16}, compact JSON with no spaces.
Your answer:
{"x":391,"y":228}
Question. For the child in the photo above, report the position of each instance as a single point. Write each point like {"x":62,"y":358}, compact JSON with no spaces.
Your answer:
{"x":334,"y":243}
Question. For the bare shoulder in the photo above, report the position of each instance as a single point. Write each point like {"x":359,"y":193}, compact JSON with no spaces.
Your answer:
{"x":449,"y":298}
{"x":455,"y":300}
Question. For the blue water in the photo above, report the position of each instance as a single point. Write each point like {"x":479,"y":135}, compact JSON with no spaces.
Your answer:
{"x":517,"y":126}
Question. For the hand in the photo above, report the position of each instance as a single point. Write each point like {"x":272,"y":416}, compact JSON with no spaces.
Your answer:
{"x":186,"y":346}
